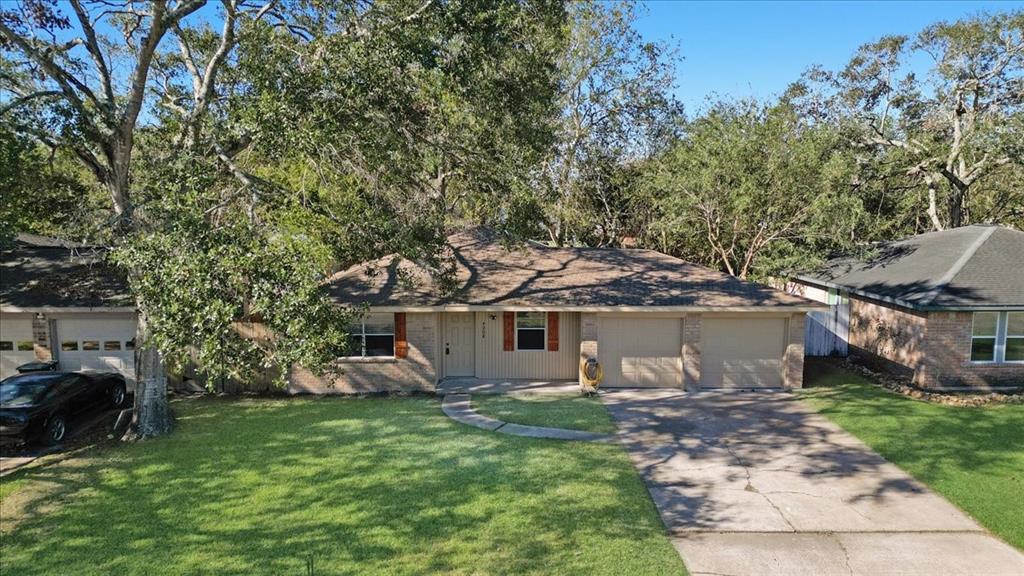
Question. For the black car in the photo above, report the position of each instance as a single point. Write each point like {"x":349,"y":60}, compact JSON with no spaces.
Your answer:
{"x":38,"y":405}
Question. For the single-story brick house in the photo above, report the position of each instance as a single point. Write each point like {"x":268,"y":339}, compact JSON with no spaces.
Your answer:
{"x":534,"y":312}
{"x":945,"y":308}
{"x":58,"y":301}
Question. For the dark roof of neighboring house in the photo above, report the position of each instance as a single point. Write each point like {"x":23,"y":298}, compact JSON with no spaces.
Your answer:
{"x":40,"y":272}
{"x":962,"y":268}
{"x":490,"y":274}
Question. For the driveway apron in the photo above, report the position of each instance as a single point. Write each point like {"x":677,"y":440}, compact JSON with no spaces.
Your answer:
{"x":758,"y":484}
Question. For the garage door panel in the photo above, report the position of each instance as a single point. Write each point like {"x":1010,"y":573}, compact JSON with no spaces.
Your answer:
{"x":98,"y":344}
{"x":641,"y":352}
{"x":16,"y":341}
{"x":742,"y":352}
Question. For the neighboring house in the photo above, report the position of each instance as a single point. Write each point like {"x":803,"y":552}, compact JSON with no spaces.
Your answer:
{"x":58,"y":301}
{"x":534,"y":312}
{"x":945,"y":308}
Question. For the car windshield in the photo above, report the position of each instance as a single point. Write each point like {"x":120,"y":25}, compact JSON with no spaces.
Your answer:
{"x":24,"y":390}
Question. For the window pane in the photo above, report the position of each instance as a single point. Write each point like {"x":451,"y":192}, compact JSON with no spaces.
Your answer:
{"x":112,"y":345}
{"x":6,"y":345}
{"x":25,"y":346}
{"x":1015,"y":324}
{"x":380,"y":345}
{"x":129,"y":344}
{"x":355,"y":345}
{"x":1015,"y":349}
{"x":983,"y":349}
{"x":985,"y":323}
{"x":531,"y":319}
{"x":380,"y":323}
{"x":90,"y":345}
{"x":69,"y":345}
{"x":531,"y":339}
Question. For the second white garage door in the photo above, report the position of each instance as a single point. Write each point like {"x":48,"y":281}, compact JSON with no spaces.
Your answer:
{"x":105,"y":344}
{"x":742,"y":352}
{"x":642,"y":352}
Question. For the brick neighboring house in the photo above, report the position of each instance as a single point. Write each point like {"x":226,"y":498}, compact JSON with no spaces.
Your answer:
{"x":945,"y":308}
{"x":533,"y":312}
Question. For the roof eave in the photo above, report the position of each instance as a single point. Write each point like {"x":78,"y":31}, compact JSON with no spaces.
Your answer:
{"x":810,"y":307}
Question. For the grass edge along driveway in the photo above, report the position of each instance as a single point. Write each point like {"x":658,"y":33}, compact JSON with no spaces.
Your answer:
{"x":974,"y":457}
{"x":357,"y":486}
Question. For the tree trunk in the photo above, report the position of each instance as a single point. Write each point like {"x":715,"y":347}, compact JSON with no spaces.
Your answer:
{"x":152,"y":416}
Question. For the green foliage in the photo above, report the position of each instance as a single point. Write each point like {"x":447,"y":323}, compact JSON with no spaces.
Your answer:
{"x":754,"y":190}
{"x":616,"y":108}
{"x":199,"y":280}
{"x":42,"y":193}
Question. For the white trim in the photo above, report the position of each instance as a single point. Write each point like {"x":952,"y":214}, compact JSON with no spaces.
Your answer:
{"x":513,"y":308}
{"x":994,"y":336}
{"x":1007,"y":335}
{"x":67,"y":309}
{"x":543,"y":328}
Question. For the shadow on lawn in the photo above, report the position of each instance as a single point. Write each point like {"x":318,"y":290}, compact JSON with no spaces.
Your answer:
{"x":354,"y":485}
{"x":925,"y":435}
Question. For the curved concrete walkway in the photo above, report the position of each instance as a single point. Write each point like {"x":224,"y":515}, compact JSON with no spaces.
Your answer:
{"x":458,"y":408}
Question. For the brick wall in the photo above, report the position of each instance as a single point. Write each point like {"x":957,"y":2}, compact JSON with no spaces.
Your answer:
{"x":886,"y":337}
{"x":41,"y":338}
{"x":691,"y":352}
{"x":932,"y":348}
{"x":418,"y":371}
{"x":947,"y":358}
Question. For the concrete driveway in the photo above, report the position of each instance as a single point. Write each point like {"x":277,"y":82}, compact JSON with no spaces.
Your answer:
{"x":758,"y":484}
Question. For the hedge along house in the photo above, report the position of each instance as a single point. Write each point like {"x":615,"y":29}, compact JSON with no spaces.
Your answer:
{"x":58,"y":301}
{"x":534,"y":312}
{"x":944,"y":308}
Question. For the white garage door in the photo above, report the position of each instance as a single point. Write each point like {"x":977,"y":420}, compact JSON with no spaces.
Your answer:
{"x":15,"y":344}
{"x":643,"y":352}
{"x":102,"y":344}
{"x":742,"y":352}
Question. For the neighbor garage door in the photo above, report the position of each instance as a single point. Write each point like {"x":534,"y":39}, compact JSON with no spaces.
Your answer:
{"x":104,"y":344}
{"x":742,"y":352}
{"x":15,"y":343}
{"x":643,"y":352}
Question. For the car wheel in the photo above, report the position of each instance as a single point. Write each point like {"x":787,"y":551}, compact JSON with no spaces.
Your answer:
{"x":56,"y":429}
{"x":117,"y":395}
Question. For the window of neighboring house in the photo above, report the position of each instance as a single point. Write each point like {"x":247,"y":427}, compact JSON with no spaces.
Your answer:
{"x":373,"y":336}
{"x":1014,"y":348}
{"x":25,"y":346}
{"x":90,"y":345}
{"x":531,"y":329}
{"x":69,"y":345}
{"x":6,"y":346}
{"x":984,"y":334}
{"x":112,"y":345}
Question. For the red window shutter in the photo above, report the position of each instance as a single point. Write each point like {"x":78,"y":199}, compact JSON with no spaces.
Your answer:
{"x":401,"y":341}
{"x":508,"y":320}
{"x":552,"y":331}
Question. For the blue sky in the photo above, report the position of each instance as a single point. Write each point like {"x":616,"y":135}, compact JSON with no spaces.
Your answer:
{"x":742,"y":49}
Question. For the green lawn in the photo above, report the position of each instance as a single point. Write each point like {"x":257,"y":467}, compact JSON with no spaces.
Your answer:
{"x":972,"y":456}
{"x":357,"y":486}
{"x":572,"y":411}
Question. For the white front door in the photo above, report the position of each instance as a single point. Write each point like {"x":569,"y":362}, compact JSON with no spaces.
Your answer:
{"x":458,"y":344}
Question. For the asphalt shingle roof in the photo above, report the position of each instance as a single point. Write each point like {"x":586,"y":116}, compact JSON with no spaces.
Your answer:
{"x":40,"y":272}
{"x":489,"y":274}
{"x":961,"y":268}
